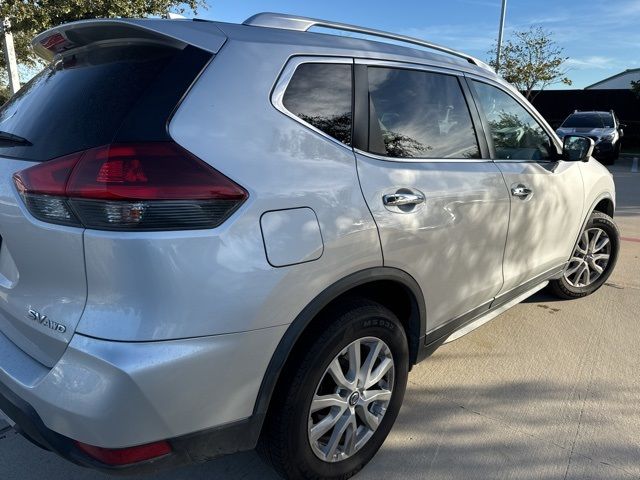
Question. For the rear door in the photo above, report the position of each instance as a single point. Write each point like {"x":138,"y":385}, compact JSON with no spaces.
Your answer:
{"x":78,"y":102}
{"x":546,"y":192}
{"x":440,"y":203}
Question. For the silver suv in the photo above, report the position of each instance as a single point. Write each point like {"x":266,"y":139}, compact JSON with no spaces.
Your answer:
{"x":217,"y":236}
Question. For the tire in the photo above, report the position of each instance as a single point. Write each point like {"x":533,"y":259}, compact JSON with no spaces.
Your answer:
{"x":286,"y":441}
{"x":616,"y":152}
{"x":611,"y":159}
{"x":572,"y":285}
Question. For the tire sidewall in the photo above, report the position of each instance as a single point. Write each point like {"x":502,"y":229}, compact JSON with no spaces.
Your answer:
{"x":363,"y":322}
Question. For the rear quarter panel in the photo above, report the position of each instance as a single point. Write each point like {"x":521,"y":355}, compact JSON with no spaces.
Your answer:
{"x":165,"y":285}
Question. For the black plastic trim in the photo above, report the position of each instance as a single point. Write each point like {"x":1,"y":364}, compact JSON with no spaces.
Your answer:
{"x":480,"y":125}
{"x":506,"y":297}
{"x":436,"y":338}
{"x":360,"y":138}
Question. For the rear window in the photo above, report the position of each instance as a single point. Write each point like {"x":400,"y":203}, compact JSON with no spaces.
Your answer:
{"x":80,"y":100}
{"x":320,"y":94}
{"x":592,"y":120}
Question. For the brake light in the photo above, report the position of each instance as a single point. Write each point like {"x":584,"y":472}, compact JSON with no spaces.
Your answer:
{"x":126,"y":456}
{"x":141,"y":186}
{"x":53,"y":41}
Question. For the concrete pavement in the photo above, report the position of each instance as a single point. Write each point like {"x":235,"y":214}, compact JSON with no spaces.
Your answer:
{"x":548,"y":390}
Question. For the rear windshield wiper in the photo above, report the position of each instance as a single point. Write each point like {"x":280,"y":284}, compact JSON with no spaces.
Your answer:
{"x":12,"y":139}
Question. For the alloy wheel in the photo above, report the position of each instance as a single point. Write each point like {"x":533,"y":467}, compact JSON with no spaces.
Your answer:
{"x":590,"y":258}
{"x":351,"y":399}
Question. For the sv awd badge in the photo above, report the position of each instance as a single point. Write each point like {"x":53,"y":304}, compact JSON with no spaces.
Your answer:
{"x":45,"y":322}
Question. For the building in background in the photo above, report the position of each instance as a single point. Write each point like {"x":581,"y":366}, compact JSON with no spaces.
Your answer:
{"x":621,"y":81}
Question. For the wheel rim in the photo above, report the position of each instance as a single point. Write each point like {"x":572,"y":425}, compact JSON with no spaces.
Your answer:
{"x":590,"y":258}
{"x":351,"y":399}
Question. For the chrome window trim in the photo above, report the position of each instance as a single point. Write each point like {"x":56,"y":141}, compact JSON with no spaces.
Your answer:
{"x":375,"y":156}
{"x":280,"y":87}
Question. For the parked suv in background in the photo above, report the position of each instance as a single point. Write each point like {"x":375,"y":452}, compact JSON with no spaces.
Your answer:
{"x":603,"y":128}
{"x":217,"y":236}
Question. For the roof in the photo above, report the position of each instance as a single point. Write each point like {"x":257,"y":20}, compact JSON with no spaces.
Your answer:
{"x":366,"y":46}
{"x":265,"y":28}
{"x":303,"y":24}
{"x":629,"y":70}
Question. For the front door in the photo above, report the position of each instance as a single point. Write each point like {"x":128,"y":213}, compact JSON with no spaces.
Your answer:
{"x":440,"y":204}
{"x":546,"y":192}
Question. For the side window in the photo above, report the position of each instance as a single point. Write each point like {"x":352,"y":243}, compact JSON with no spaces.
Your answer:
{"x":320,"y":94}
{"x":516,"y":134}
{"x":416,"y":114}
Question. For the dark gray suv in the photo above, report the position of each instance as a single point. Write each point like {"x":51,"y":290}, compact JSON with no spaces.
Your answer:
{"x":603,"y":128}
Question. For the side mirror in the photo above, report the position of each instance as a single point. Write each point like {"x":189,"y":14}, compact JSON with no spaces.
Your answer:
{"x":576,"y":148}
{"x":622,"y":125}
{"x":621,"y":132}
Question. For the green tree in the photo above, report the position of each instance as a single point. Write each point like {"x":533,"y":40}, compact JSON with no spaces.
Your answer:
{"x":635,"y":88}
{"x":531,"y":59}
{"x":30,"y":17}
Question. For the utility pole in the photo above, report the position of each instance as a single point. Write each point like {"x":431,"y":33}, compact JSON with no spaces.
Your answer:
{"x":10,"y":56}
{"x":500,"y":33}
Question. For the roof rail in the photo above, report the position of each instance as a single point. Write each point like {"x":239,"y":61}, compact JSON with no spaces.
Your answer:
{"x":303,"y":24}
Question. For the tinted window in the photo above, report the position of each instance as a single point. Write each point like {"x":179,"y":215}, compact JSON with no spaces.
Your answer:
{"x":589,"y":120}
{"x":320,"y":94}
{"x":80,"y":101}
{"x":516,"y":134}
{"x":419,"y":115}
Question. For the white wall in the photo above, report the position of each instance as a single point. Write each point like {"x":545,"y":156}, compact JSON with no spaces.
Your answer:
{"x":622,"y":82}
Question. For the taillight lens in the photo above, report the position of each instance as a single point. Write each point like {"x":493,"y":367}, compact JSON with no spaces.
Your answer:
{"x":141,"y":186}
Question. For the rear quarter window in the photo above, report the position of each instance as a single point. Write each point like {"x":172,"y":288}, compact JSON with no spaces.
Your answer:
{"x":320,"y":95}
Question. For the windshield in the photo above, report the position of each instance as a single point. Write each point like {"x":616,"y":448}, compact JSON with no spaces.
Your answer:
{"x":589,"y":120}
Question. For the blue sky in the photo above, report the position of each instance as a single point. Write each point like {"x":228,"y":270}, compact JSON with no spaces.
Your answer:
{"x":601,"y":37}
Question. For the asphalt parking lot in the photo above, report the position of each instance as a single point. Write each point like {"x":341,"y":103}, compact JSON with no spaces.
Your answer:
{"x":548,"y":390}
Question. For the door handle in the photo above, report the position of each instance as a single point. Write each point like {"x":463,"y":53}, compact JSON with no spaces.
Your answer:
{"x":521,"y":191}
{"x":399,"y":199}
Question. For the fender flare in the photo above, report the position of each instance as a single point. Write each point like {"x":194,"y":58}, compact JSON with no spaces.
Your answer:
{"x":302,"y":321}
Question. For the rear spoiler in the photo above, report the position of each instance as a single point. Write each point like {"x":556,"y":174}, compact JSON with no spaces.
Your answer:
{"x":204,"y":35}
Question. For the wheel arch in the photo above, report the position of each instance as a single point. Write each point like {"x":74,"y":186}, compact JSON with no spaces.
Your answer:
{"x":391,"y":287}
{"x":603,"y":203}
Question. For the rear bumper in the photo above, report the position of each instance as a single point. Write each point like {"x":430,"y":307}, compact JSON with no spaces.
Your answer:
{"x":185,"y":450}
{"x":197,"y":393}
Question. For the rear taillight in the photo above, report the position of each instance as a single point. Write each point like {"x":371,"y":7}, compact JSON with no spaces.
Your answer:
{"x":141,"y":186}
